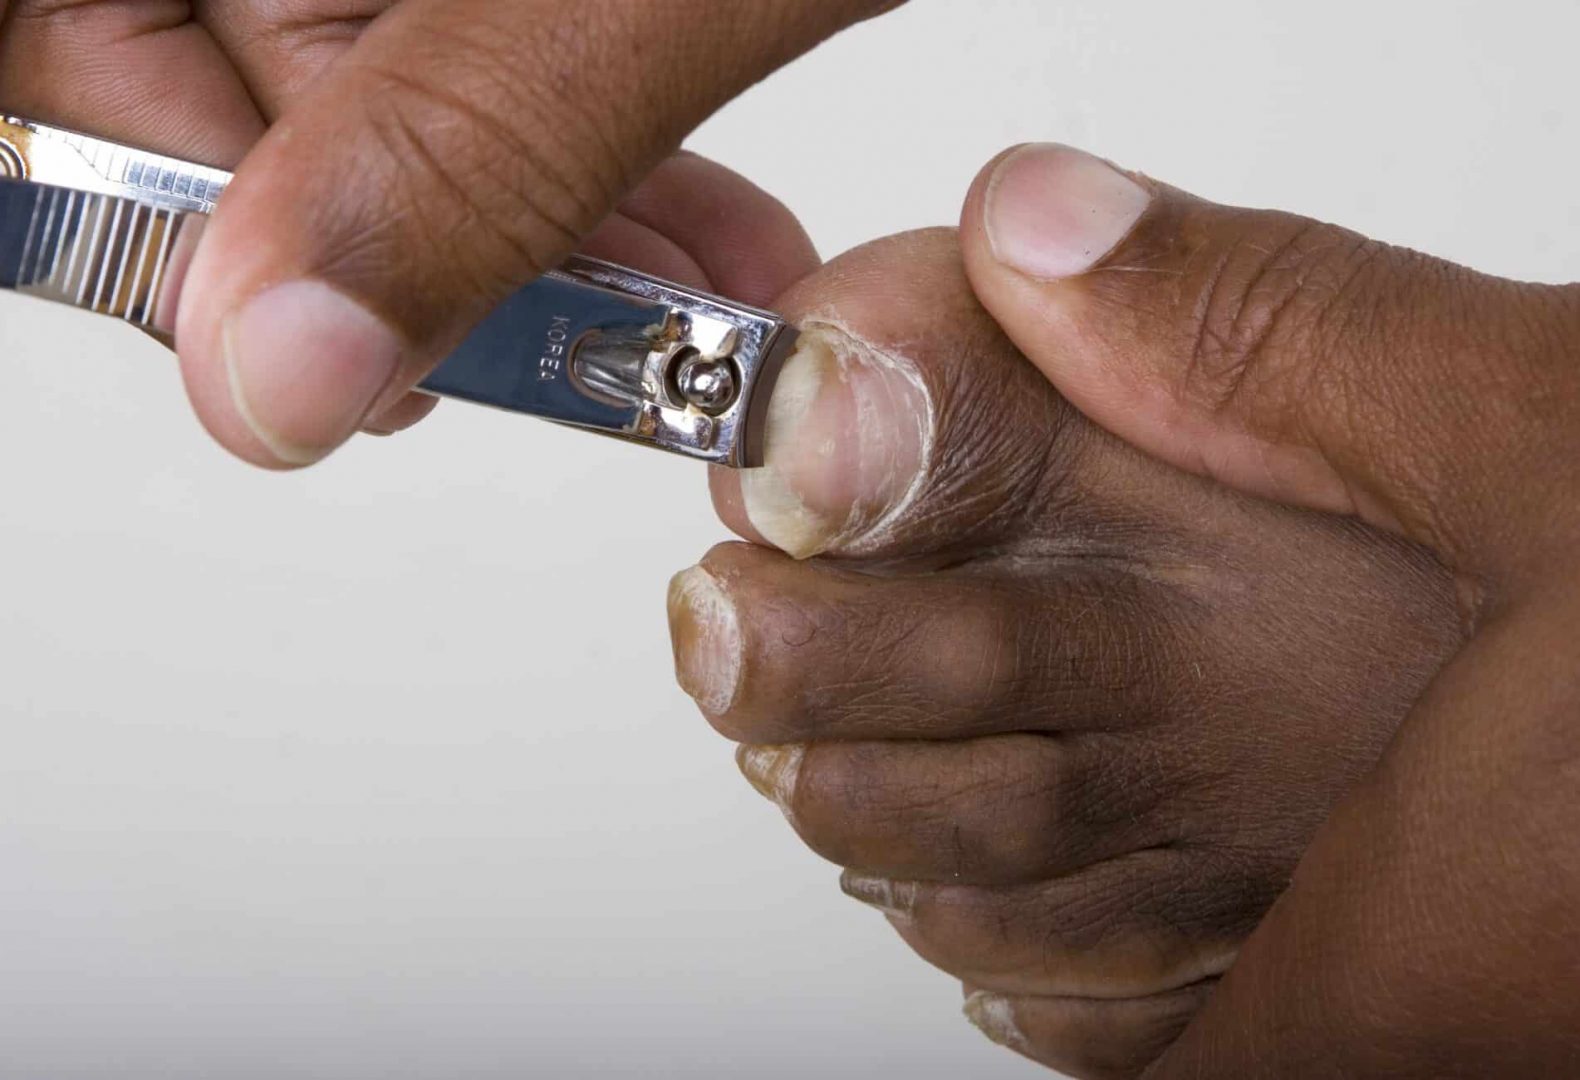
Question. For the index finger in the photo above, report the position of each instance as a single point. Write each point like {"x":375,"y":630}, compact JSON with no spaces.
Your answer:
{"x":457,"y":150}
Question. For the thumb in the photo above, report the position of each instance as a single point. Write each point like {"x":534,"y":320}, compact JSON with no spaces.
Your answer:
{"x":1284,"y":357}
{"x":455,"y":152}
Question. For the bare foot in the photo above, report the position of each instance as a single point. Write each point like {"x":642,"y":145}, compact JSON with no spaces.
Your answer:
{"x":1067,"y":716}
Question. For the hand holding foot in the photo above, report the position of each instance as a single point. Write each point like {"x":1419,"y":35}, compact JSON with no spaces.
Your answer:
{"x":1067,"y":716}
{"x":1430,"y":929}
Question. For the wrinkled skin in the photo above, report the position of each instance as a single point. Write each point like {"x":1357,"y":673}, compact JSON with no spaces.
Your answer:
{"x":1066,"y":715}
{"x":1068,"y":657}
{"x":1432,"y":927}
{"x":1094,"y":732}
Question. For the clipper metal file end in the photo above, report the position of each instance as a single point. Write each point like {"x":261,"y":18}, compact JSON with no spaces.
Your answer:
{"x":92,"y":223}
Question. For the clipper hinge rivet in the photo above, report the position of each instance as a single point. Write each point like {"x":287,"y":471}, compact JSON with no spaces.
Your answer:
{"x":708,"y":383}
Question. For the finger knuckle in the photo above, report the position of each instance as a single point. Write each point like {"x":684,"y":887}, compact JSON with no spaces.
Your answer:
{"x":1267,"y":296}
{"x":453,"y":189}
{"x":481,"y":164}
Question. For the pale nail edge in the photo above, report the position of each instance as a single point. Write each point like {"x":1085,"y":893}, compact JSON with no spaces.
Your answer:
{"x":773,"y":771}
{"x":771,"y":505}
{"x":896,"y":899}
{"x":712,"y":612}
{"x":994,"y":1016}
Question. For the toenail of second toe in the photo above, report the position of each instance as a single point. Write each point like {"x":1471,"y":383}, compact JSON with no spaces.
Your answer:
{"x":706,"y":633}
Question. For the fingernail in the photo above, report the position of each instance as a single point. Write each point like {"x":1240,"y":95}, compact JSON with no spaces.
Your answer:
{"x":306,"y":364}
{"x":846,"y":441}
{"x":1053,"y":212}
{"x":772,"y":770}
{"x":994,"y":1016}
{"x":896,"y":899}
{"x":706,"y":635}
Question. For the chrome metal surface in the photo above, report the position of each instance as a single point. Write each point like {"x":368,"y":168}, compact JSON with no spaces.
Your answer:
{"x":93,"y":223}
{"x":69,"y":159}
{"x":96,"y":252}
{"x":709,"y":384}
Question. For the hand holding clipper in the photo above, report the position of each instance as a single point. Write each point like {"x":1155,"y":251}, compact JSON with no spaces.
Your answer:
{"x":94,"y":224}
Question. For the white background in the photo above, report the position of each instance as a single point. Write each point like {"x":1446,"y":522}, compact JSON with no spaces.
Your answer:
{"x":379,"y":770}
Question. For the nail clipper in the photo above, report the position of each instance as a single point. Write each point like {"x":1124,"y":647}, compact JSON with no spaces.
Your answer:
{"x":93,"y":223}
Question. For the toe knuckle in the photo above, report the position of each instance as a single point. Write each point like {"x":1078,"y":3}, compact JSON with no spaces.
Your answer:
{"x":1007,"y":822}
{"x":855,"y":782}
{"x":977,"y":656}
{"x":873,"y":800}
{"x":835,"y":787}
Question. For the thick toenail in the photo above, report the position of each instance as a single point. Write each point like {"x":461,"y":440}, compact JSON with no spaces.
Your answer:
{"x":896,"y":899}
{"x":848,"y":431}
{"x":772,"y":770}
{"x":707,"y":639}
{"x":994,"y":1016}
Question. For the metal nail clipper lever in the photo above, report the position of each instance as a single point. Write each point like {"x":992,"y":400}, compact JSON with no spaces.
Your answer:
{"x":93,"y":223}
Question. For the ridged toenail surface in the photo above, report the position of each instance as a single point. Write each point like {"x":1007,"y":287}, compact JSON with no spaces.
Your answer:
{"x":896,"y":899}
{"x":773,"y":771}
{"x":848,"y":432}
{"x":707,"y":639}
{"x":994,"y":1016}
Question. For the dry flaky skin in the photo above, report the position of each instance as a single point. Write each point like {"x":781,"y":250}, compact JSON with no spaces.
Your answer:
{"x":1068,"y":716}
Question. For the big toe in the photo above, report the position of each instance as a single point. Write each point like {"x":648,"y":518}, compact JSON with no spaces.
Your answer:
{"x":891,"y":429}
{"x":846,"y":443}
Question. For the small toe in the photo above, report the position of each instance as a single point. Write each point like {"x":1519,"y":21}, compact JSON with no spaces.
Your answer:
{"x":1085,"y":1038}
{"x":1142,"y":924}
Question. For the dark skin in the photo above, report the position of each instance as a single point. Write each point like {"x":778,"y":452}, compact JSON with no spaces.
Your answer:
{"x":1330,"y":873}
{"x":1430,"y":929}
{"x":1430,"y":925}
{"x":1071,"y":717}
